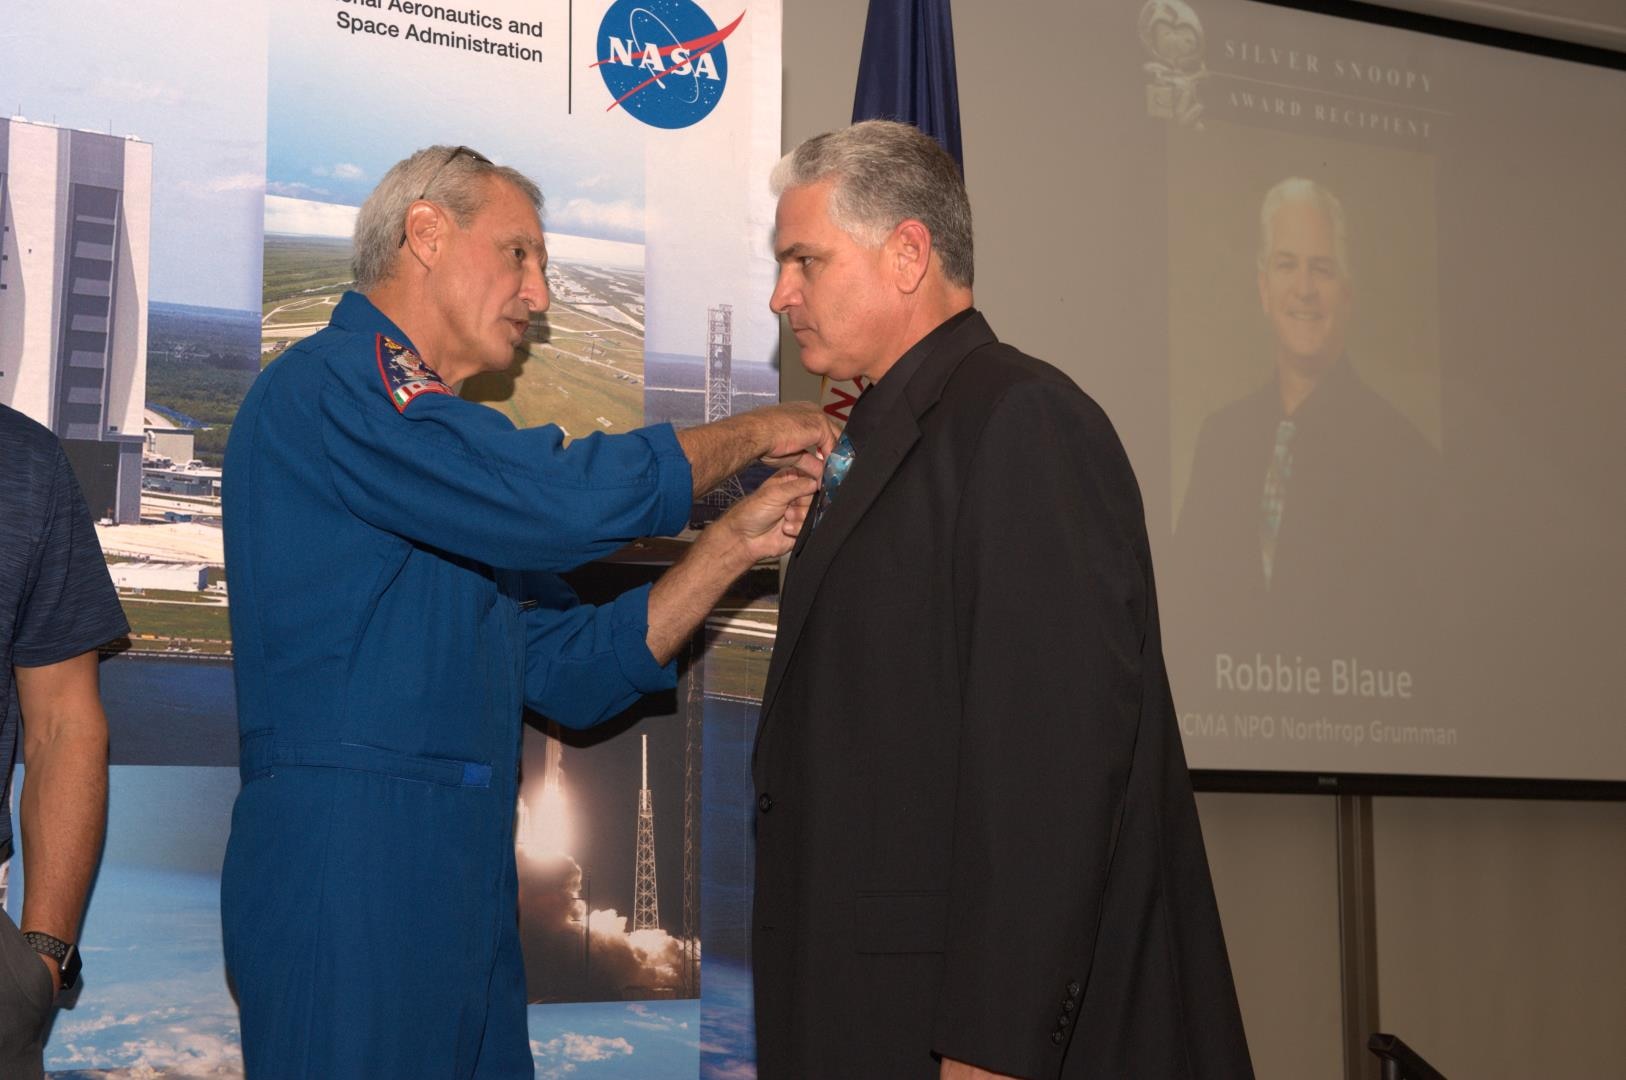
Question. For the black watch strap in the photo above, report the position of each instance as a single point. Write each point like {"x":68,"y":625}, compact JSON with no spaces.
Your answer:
{"x":65,"y":953}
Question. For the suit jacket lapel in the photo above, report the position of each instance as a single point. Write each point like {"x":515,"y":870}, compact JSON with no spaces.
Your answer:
{"x":871,"y":471}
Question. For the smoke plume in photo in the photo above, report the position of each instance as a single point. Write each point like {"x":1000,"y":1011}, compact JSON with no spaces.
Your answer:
{"x":574,"y":950}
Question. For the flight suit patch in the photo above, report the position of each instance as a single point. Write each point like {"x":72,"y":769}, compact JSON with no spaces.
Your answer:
{"x":405,"y":375}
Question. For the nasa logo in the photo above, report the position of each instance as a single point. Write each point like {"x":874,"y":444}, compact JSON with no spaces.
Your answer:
{"x":663,"y":61}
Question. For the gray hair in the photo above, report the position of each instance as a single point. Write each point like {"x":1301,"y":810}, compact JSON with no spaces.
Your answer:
{"x":1297,"y":189}
{"x":451,"y":177}
{"x":886,"y":172}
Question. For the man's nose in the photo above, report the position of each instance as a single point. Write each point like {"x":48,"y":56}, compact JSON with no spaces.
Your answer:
{"x":781,"y":298}
{"x":534,"y":291}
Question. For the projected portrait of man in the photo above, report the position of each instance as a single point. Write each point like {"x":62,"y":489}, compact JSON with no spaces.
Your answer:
{"x":1307,"y":526}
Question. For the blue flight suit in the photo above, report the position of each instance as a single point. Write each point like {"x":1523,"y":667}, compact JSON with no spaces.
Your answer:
{"x":382,"y":662}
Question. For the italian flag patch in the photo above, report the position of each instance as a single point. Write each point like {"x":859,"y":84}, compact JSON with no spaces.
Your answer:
{"x":405,"y":375}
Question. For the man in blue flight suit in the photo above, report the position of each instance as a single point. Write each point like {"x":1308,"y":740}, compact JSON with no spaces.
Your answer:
{"x":391,"y":548}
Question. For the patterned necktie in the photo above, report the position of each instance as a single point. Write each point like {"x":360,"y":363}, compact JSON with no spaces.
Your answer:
{"x":835,"y":471}
{"x":1275,"y":498}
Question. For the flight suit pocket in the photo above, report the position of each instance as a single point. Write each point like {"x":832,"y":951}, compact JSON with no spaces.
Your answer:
{"x":900,"y":922}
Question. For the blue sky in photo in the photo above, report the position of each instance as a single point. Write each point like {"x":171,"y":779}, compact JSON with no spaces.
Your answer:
{"x":182,"y":76}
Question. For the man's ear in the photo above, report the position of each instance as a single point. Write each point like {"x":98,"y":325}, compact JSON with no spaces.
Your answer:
{"x":424,"y":221}
{"x":910,"y":253}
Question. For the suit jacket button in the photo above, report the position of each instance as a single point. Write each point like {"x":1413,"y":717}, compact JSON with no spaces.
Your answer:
{"x":1067,"y":1005}
{"x":1057,"y":1037}
{"x":764,"y":802}
{"x":1073,"y":989}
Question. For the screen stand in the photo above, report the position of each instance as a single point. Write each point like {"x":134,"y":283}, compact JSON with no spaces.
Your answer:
{"x":1357,"y":935}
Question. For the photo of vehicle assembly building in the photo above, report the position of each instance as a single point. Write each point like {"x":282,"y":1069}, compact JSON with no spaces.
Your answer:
{"x":75,"y":224}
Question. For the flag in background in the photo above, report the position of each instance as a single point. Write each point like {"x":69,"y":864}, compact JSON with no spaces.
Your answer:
{"x":906,"y":71}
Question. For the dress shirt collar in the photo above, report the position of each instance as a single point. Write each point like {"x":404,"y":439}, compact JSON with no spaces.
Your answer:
{"x":1330,"y":387}
{"x":867,"y":414}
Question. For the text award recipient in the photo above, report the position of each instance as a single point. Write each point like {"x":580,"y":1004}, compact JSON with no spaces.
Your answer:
{"x":977,"y":848}
{"x":390,"y":547}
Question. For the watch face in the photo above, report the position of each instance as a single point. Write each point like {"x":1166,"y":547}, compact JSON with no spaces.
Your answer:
{"x":70,"y":967}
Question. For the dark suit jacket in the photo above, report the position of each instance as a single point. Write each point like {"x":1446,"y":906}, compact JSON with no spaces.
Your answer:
{"x":976,"y":834}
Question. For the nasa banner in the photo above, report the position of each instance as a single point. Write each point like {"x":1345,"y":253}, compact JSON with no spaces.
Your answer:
{"x":219,"y":156}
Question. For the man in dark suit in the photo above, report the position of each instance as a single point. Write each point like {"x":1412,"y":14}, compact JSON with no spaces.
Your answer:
{"x":978,"y":853}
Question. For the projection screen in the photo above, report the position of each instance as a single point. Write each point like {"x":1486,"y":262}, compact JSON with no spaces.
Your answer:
{"x":1371,"y":378}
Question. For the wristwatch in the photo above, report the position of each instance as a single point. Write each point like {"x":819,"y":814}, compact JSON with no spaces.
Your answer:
{"x":65,"y":953}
